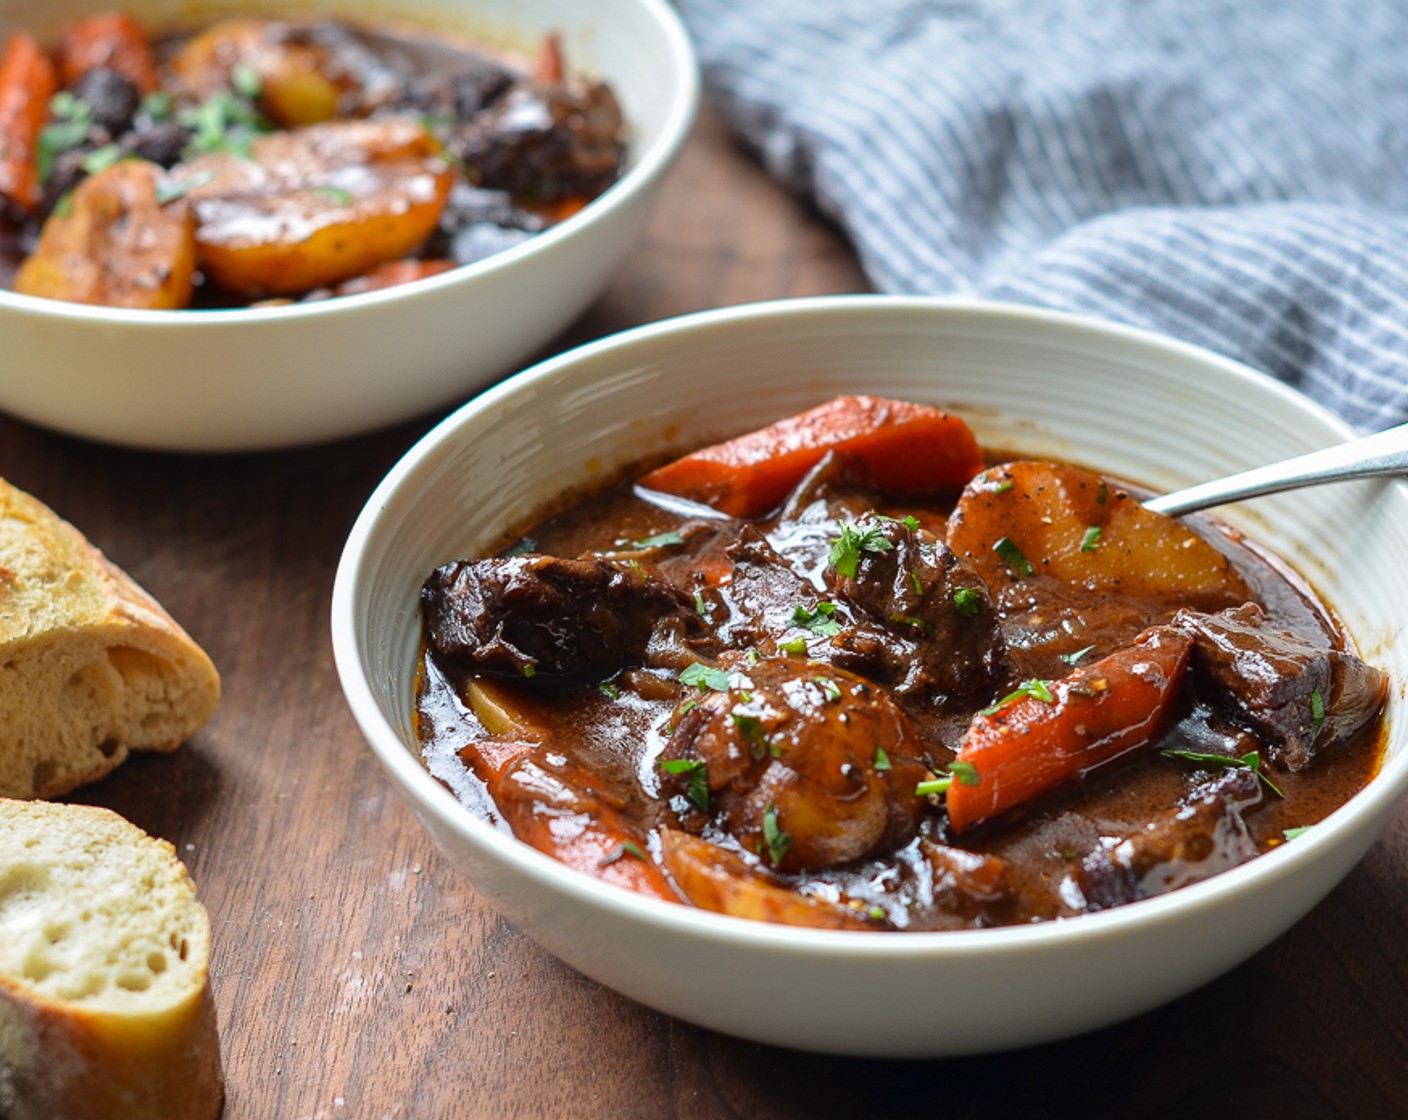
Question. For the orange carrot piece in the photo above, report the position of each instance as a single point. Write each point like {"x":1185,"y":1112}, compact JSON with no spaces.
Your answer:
{"x":907,"y":447}
{"x":548,"y":68}
{"x":111,"y":39}
{"x":27,"y":82}
{"x":1031,"y":745}
{"x":566,"y":818}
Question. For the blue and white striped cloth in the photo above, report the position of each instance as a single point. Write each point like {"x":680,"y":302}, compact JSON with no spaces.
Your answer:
{"x":1230,"y":172}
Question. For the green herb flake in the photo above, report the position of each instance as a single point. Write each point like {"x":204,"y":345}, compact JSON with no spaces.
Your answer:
{"x":938,"y":785}
{"x":70,"y":118}
{"x":829,"y":688}
{"x":698,"y":789}
{"x":530,"y":671}
{"x":751,"y":728}
{"x":818,"y":620}
{"x":1002,"y":487}
{"x":964,"y":773}
{"x":753,"y":657}
{"x":705,"y":678}
{"x":882,"y":760}
{"x":916,"y":583}
{"x":1295,"y":833}
{"x":100,"y":159}
{"x":1034,"y":689}
{"x":1091,"y":541}
{"x":1073,"y":659}
{"x":169,"y":189}
{"x":623,"y":849}
{"x":1317,"y":711}
{"x":245,"y":79}
{"x":1249,"y":761}
{"x":847,"y":549}
{"x":793,"y":645}
{"x":157,"y":106}
{"x":967,"y":601}
{"x":1012,"y":557}
{"x":610,"y":690}
{"x":700,"y":605}
{"x":778,"y":842}
{"x":660,"y":540}
{"x":341,"y":196}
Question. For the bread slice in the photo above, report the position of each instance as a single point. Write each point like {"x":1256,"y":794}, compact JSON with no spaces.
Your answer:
{"x":105,"y":1008}
{"x":91,"y":667}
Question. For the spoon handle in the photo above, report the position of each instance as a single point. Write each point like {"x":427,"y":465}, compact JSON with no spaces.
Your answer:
{"x":1384,"y":453}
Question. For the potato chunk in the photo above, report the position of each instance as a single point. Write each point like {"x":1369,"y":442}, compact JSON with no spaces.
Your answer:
{"x":297,"y":84}
{"x":115,"y":244}
{"x":315,"y":206}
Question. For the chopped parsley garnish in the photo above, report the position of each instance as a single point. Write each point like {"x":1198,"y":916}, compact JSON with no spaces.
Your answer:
{"x":1012,"y":557}
{"x":624,"y":848}
{"x":916,"y":583}
{"x":1037,"y":690}
{"x":1074,"y":658}
{"x":1002,"y":487}
{"x":610,"y":690}
{"x":1317,"y":711}
{"x":793,"y":645}
{"x":751,"y":728}
{"x":705,"y":678}
{"x":778,"y":842}
{"x":829,"y":688}
{"x":964,"y":773}
{"x":967,"y":601}
{"x":1091,"y":541}
{"x":1292,"y":833}
{"x":157,"y":106}
{"x":846,"y":550}
{"x":100,"y":159}
{"x":530,"y":670}
{"x":882,"y":760}
{"x":818,"y":620}
{"x":224,"y":123}
{"x":698,"y":791}
{"x":245,"y":79}
{"x":70,"y":118}
{"x":700,"y":604}
{"x":753,"y":657}
{"x":1249,"y":761}
{"x":169,"y":190}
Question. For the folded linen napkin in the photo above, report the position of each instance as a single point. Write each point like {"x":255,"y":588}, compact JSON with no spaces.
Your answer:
{"x":1230,"y":172}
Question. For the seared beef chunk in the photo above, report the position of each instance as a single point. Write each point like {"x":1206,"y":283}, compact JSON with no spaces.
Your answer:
{"x":938,"y":632}
{"x":1204,"y":837}
{"x":1292,"y":692}
{"x":762,"y":598}
{"x":112,"y":99}
{"x":546,"y":143}
{"x":541,"y":614}
{"x":798,"y":762}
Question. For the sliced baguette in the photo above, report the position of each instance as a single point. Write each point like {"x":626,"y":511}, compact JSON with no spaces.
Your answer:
{"x":91,"y":666}
{"x":105,"y":1008}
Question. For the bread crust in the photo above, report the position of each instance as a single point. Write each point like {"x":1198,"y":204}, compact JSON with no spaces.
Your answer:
{"x":105,"y":1006}
{"x":91,"y":666}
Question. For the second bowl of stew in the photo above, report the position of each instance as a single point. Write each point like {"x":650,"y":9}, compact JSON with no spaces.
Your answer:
{"x":253,"y":226}
{"x":824,"y":650}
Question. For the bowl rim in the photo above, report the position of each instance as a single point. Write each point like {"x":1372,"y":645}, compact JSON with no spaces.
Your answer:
{"x":684,"y":94}
{"x":429,"y":796}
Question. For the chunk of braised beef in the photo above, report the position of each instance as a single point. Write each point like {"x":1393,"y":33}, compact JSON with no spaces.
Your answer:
{"x":799,"y":763}
{"x":161,"y":142}
{"x":111,"y":97}
{"x":549,"y":143}
{"x":525,"y":615}
{"x":762,"y":596}
{"x":1293,"y":693}
{"x":944,"y":640}
{"x":970,"y":885}
{"x":1204,"y":836}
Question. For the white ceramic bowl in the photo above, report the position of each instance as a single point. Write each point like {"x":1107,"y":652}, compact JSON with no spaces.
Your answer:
{"x":256,"y":379}
{"x":1141,"y":407}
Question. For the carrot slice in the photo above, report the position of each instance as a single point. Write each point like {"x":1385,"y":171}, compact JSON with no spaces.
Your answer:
{"x":1053,"y":734}
{"x":111,"y":39}
{"x":906,"y":447}
{"x":27,"y":82}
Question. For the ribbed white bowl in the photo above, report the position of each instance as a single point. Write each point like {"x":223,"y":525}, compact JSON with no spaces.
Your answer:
{"x":1143,"y":408}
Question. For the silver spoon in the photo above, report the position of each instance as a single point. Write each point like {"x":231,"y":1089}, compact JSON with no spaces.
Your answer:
{"x":1375,"y":456}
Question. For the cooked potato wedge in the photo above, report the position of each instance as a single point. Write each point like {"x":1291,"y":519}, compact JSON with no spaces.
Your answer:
{"x":715,"y":879}
{"x":315,"y":206}
{"x":114,"y":243}
{"x":1068,"y":524}
{"x":295,"y":87}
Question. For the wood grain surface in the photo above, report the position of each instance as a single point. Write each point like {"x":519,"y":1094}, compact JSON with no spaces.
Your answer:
{"x":357,"y":976}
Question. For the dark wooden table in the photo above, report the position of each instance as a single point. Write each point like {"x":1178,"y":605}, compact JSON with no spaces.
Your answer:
{"x":357,"y":976}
